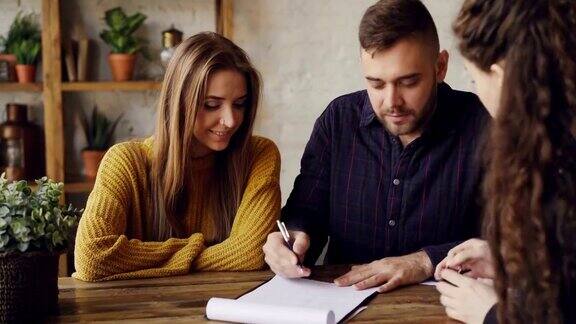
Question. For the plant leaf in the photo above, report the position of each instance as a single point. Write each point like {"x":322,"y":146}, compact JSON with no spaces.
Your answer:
{"x":23,"y":27}
{"x":85,"y":125}
{"x":119,"y":36}
{"x":134,"y":22}
{"x":111,"y":130}
{"x":116,"y":19}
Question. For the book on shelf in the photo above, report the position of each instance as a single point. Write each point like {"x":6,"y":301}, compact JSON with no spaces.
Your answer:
{"x":69,"y":60}
{"x":83,"y":51}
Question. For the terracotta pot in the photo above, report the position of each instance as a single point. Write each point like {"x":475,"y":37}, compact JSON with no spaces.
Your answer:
{"x":29,"y":290}
{"x":26,"y":73}
{"x":122,"y":66}
{"x":92,"y":161}
{"x":11,"y":59}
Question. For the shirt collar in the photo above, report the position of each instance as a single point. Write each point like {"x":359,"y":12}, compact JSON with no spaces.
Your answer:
{"x":367,"y":113}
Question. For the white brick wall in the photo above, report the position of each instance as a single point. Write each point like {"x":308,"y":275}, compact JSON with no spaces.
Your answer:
{"x":306,"y":50}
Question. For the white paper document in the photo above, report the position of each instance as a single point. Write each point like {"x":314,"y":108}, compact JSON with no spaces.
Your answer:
{"x":283,"y":300}
{"x":429,"y":283}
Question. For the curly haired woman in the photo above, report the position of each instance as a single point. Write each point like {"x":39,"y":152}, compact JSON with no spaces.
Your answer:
{"x":522,"y":56}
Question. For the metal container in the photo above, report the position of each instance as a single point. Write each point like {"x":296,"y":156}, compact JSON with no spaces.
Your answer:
{"x":21,"y":145}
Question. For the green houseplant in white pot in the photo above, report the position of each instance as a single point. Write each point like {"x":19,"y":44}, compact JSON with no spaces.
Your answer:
{"x":123,"y":44}
{"x":34,"y":231}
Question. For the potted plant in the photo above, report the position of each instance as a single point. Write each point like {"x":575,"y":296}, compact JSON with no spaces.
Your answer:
{"x":34,"y":230}
{"x":99,"y":132}
{"x":24,"y":27}
{"x":8,"y":57}
{"x":26,"y":55}
{"x":123,"y":44}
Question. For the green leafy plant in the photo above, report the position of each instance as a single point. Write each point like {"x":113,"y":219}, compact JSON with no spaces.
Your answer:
{"x":34,"y":220}
{"x":119,"y":37}
{"x":24,"y":27}
{"x":99,"y":130}
{"x":27,"y":51}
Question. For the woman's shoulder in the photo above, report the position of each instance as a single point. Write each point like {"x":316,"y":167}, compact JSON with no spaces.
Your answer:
{"x":123,"y":168}
{"x":128,"y":155}
{"x":263,"y":147}
{"x":266,"y":157}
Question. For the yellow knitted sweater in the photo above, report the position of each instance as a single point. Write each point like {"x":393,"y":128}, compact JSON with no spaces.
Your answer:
{"x":109,"y":242}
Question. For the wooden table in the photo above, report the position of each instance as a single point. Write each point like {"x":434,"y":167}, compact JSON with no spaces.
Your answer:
{"x":184,"y":298}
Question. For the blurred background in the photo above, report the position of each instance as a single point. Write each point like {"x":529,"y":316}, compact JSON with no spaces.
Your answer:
{"x":307,"y":52}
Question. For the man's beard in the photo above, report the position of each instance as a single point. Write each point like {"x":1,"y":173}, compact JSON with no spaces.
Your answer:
{"x":419,"y":120}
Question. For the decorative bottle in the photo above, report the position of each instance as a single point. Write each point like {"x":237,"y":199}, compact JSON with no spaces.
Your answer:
{"x":170,"y":39}
{"x":21,"y":145}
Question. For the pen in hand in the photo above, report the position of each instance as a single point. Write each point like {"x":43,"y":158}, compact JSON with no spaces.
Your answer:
{"x":288,"y":240}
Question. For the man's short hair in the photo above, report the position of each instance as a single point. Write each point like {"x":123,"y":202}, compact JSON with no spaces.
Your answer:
{"x":389,"y":21}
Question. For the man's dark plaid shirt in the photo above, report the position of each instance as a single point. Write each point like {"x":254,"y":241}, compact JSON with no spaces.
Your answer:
{"x":376,"y":198}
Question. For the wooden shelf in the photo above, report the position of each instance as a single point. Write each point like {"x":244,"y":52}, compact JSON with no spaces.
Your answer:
{"x":52,"y":88}
{"x":24,"y":87}
{"x":84,"y":86}
{"x":111,"y":86}
{"x":78,"y":187}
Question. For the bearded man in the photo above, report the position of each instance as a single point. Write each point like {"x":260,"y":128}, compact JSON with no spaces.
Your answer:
{"x":390,"y":174}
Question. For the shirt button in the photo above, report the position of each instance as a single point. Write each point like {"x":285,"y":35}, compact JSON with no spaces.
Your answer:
{"x":392,"y":223}
{"x":396,"y":182}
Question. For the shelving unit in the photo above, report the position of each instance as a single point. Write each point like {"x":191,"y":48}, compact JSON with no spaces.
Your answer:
{"x":78,"y":187}
{"x":71,"y":187}
{"x":53,"y":87}
{"x":21,"y":87}
{"x":111,"y":86}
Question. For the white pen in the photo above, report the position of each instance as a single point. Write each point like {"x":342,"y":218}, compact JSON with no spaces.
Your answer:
{"x":287,"y":239}
{"x":282,"y":231}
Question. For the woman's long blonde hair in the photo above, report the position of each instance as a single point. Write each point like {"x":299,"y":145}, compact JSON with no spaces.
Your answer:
{"x":182,"y":94}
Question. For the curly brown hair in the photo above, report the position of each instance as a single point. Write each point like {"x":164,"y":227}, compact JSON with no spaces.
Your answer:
{"x":535,"y":41}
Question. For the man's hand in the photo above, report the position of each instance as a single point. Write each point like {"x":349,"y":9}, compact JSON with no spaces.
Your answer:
{"x":282,"y":260}
{"x":389,"y":273}
{"x":465,"y":299}
{"x":473,"y":255}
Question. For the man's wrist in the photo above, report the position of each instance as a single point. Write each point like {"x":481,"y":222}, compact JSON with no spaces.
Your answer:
{"x":424,"y":263}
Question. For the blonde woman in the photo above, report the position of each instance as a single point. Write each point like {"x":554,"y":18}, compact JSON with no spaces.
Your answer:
{"x":202,"y":193}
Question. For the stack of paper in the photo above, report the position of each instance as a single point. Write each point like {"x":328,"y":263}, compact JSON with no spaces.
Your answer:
{"x":283,"y":300}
